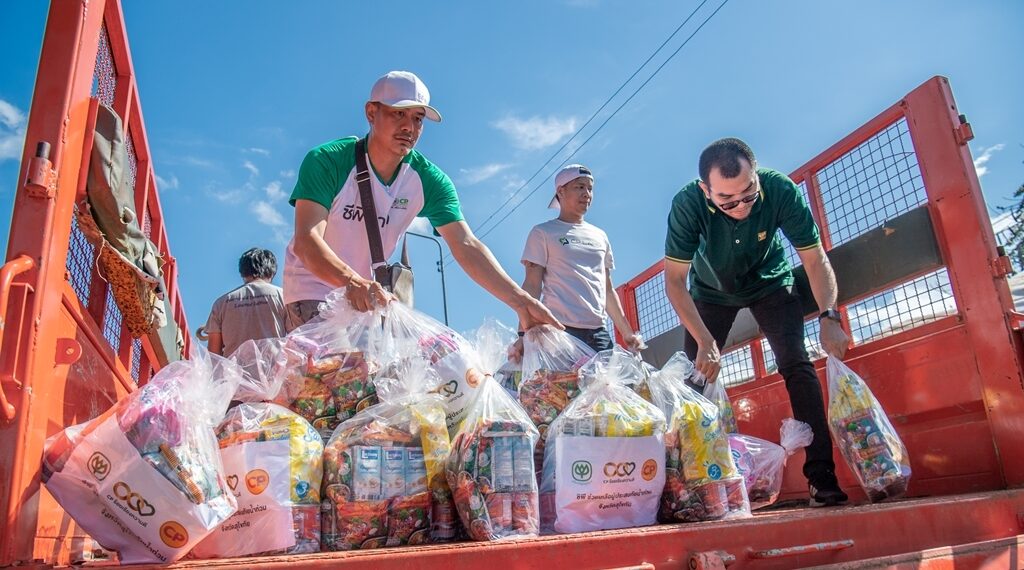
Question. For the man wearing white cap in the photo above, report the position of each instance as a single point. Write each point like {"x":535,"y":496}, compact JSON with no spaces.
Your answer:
{"x":569,"y":265}
{"x":330,"y":248}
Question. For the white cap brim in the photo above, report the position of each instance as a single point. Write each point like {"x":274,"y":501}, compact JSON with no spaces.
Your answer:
{"x":431,"y":112}
{"x":553,"y":204}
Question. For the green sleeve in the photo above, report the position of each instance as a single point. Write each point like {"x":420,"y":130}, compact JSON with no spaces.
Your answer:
{"x":795,"y":218}
{"x":683,"y":236}
{"x":323,"y":172}
{"x":440,"y":201}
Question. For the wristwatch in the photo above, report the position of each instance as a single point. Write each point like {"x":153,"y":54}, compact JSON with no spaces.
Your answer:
{"x":831,"y":314}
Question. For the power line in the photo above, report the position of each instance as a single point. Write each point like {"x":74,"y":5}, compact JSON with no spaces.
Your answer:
{"x":609,"y":118}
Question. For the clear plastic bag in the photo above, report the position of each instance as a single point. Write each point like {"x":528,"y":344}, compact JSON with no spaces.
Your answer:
{"x":327,"y":366}
{"x":492,"y":341}
{"x":762,"y":463}
{"x":604,"y":462}
{"x":384,"y":480}
{"x":273,"y":463}
{"x":702,"y":481}
{"x":715,"y":391}
{"x":866,"y":438}
{"x":408,"y":332}
{"x":145,"y":478}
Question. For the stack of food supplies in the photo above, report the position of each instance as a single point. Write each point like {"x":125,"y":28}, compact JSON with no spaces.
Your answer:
{"x":145,"y":478}
{"x":273,"y":462}
{"x":702,"y":482}
{"x":604,"y":463}
{"x":551,"y":363}
{"x":867,"y":440}
{"x":408,"y":332}
{"x":327,"y":374}
{"x":490,"y":468}
{"x":384,"y":467}
{"x":762,"y":463}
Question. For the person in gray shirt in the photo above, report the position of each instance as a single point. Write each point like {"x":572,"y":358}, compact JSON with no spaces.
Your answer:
{"x":251,"y":312}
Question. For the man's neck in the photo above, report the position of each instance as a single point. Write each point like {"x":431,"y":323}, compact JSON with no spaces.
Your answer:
{"x":570,"y":218}
{"x":382,"y":161}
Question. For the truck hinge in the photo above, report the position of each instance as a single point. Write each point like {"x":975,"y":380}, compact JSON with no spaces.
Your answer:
{"x":41,"y":181}
{"x":1017,"y":323}
{"x":1001,"y":265}
{"x":963,"y":133}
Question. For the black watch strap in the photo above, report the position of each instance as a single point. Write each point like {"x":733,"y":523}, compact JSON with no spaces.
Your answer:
{"x":831,"y":314}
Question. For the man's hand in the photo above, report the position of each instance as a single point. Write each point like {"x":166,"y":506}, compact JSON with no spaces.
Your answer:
{"x":634,"y":342}
{"x":709,"y":360}
{"x":532,"y":313}
{"x":833,"y":338}
{"x":365,"y":294}
{"x":515,"y":350}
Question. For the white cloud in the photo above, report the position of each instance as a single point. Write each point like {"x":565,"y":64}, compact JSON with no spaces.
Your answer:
{"x":200,"y":162}
{"x":536,"y":132}
{"x":253,"y":171}
{"x":981,"y":163}
{"x":287,"y":174}
{"x":257,"y":150}
{"x":267,"y":215}
{"x":167,"y":183}
{"x":477,"y":175}
{"x":274,"y":191}
{"x":227,"y":196}
{"x":421,"y":226}
{"x":12,"y":131}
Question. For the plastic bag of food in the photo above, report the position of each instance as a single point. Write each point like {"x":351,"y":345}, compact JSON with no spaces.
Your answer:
{"x":408,"y":332}
{"x":715,"y":391}
{"x":702,"y":482}
{"x":551,"y":363}
{"x":327,"y":369}
{"x":604,"y":463}
{"x":492,"y":341}
{"x":867,"y":440}
{"x":273,"y":463}
{"x":762,"y":463}
{"x":384,"y":468}
{"x":145,"y":478}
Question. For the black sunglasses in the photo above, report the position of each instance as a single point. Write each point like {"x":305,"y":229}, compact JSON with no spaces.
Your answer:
{"x":744,"y":200}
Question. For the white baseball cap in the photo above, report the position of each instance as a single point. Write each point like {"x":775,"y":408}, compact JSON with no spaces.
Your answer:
{"x":566,"y":175}
{"x":403,"y":89}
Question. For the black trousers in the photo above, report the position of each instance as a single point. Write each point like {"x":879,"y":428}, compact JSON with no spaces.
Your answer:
{"x":780,"y":316}
{"x":598,"y":339}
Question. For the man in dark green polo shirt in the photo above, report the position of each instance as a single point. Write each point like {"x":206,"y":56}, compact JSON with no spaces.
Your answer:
{"x":726,"y":226}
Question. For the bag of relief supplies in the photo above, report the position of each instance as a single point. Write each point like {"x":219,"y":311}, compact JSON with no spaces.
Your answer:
{"x":384,"y":467}
{"x":604,"y":462}
{"x":408,"y":332}
{"x":864,"y":435}
{"x":702,"y":482}
{"x":490,"y":468}
{"x":762,"y":463}
{"x":551,"y":363}
{"x":715,"y":391}
{"x":273,"y":463}
{"x":145,"y":478}
{"x":497,"y":338}
{"x":327,"y":373}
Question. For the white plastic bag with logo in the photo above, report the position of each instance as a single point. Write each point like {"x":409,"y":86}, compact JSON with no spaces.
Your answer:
{"x":864,"y":435}
{"x":702,"y":481}
{"x":408,"y":332}
{"x":762,"y":463}
{"x":145,"y":478}
{"x":273,"y":463}
{"x":604,"y":463}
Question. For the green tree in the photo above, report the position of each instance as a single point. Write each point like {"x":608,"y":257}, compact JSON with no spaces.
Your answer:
{"x":1015,"y":244}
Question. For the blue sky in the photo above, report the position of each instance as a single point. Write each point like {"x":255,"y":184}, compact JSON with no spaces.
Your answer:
{"x":234,"y":94}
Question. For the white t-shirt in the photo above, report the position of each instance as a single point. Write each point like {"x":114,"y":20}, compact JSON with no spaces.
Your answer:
{"x":576,"y":258}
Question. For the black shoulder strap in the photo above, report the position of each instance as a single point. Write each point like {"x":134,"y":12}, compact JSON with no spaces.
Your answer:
{"x":370,"y":213}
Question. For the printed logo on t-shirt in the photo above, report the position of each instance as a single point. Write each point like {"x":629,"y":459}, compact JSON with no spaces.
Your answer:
{"x":564,"y":240}
{"x":355,"y":212}
{"x":400,"y":204}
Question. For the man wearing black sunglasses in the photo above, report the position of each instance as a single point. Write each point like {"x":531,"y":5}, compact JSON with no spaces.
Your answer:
{"x":726,"y":225}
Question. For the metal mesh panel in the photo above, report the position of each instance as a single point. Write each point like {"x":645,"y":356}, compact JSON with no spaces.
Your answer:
{"x":112,"y":322}
{"x":876,"y":181}
{"x":925,"y":299}
{"x":737,"y":366}
{"x":812,"y":329}
{"x":136,"y":359}
{"x":81,"y":255}
{"x":653,"y":309}
{"x":104,"y":77}
{"x":791,"y":254}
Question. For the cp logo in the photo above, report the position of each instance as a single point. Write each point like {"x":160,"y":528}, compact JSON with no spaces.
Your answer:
{"x":619,"y":469}
{"x":134,"y":500}
{"x":582,"y":471}
{"x":256,"y":481}
{"x":649,"y":470}
{"x":173,"y":534}
{"x":99,"y":466}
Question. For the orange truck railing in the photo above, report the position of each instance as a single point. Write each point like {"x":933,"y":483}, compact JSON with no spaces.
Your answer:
{"x":938,"y":347}
{"x":65,"y":355}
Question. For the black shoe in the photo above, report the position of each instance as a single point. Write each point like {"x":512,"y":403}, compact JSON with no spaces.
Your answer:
{"x":825,"y":492}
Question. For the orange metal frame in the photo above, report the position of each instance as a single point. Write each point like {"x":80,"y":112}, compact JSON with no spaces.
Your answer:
{"x":56,"y":366}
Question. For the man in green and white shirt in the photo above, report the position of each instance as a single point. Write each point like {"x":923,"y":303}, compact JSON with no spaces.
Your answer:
{"x":330,"y":248}
{"x":726,"y":225}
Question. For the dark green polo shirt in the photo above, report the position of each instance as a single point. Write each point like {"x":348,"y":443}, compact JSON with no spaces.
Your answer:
{"x":736,"y":262}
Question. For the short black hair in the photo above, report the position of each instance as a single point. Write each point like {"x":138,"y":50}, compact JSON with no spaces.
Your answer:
{"x":724,"y":154}
{"x":258,"y":263}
